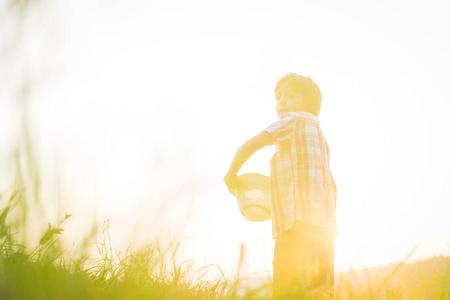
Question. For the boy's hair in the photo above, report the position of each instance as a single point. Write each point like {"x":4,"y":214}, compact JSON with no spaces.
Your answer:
{"x":306,"y":87}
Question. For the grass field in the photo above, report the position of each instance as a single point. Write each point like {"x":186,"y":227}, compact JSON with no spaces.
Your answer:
{"x":46,"y":272}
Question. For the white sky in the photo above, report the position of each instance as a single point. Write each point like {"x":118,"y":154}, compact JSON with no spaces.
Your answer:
{"x":147,"y":102}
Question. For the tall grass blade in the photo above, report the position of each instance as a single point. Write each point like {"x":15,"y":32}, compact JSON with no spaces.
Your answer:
{"x":397,"y":267}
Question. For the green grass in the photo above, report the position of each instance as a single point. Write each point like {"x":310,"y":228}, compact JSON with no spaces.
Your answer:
{"x":46,"y":272}
{"x":149,"y":273}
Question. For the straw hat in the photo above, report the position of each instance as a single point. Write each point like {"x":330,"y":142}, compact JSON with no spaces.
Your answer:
{"x":254,"y":197}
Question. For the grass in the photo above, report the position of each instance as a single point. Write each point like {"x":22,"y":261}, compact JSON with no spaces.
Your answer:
{"x":46,"y":272}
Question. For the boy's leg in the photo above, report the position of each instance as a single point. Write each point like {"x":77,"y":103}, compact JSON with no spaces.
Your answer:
{"x":289,"y":261}
{"x":322,"y":256}
{"x":303,"y":261}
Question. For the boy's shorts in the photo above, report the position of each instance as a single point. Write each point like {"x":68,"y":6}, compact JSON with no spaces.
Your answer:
{"x":303,"y":262}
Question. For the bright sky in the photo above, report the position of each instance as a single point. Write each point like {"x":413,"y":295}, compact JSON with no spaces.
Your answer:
{"x":146,"y":103}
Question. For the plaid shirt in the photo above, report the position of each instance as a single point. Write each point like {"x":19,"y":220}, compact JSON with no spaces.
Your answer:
{"x":300,"y":175}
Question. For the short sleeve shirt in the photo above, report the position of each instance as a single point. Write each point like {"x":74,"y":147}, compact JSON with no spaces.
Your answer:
{"x":301,"y":184}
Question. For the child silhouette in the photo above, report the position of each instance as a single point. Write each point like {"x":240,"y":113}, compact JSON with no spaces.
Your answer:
{"x":303,"y":191}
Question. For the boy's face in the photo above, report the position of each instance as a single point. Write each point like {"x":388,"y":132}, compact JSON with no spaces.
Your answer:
{"x":288,"y":100}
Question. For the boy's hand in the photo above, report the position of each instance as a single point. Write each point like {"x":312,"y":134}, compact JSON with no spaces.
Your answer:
{"x":231,"y":181}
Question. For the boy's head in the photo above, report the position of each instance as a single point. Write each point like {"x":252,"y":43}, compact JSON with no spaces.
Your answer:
{"x":297,"y":93}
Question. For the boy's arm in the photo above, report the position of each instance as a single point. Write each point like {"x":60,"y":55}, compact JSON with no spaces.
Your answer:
{"x":243,"y":154}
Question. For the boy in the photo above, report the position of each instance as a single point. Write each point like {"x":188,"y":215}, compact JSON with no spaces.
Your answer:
{"x":303,"y":191}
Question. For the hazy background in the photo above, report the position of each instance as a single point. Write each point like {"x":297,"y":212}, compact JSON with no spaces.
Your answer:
{"x":136,"y":109}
